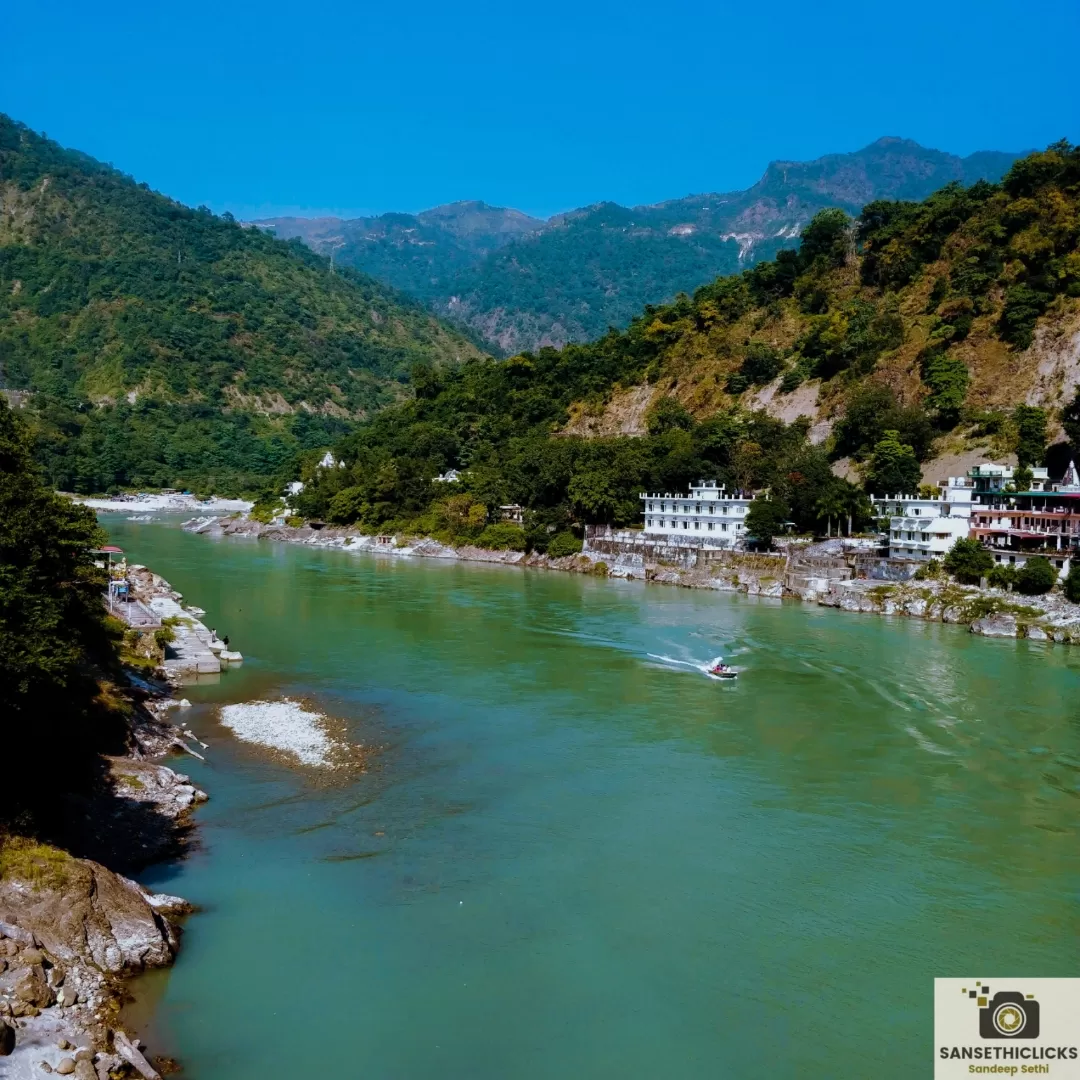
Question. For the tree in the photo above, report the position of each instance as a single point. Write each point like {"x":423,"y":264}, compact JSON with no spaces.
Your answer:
{"x":347,"y":506}
{"x":827,"y":236}
{"x":831,"y":504}
{"x":947,"y":377}
{"x":968,"y":561}
{"x":894,"y":468}
{"x":1071,"y":586}
{"x":1070,"y":421}
{"x":54,"y":638}
{"x":1036,"y":576}
{"x":1030,"y":434}
{"x":668,"y":415}
{"x":765,"y":519}
{"x":1022,"y":478}
{"x":745,"y":463}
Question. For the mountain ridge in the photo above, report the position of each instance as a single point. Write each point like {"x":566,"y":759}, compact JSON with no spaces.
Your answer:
{"x":567,"y":278}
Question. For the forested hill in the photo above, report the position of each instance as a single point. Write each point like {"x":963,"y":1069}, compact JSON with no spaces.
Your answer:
{"x":521,"y":283}
{"x":916,"y":329}
{"x":164,"y":345}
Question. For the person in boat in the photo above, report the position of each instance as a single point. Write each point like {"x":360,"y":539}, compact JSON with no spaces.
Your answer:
{"x":720,"y":668}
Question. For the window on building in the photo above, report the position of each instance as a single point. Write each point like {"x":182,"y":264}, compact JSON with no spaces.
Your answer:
{"x":697,"y":524}
{"x":710,"y":526}
{"x":684,"y":524}
{"x":723,"y":527}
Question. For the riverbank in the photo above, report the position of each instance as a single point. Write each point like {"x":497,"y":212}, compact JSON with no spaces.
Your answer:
{"x":73,"y":926}
{"x":816,"y":575}
{"x":157,"y":504}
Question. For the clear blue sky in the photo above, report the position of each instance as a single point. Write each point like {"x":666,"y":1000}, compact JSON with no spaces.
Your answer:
{"x":358,"y":107}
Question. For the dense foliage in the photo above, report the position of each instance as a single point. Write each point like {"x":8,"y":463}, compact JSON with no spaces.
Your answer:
{"x":111,"y":294}
{"x":54,"y":640}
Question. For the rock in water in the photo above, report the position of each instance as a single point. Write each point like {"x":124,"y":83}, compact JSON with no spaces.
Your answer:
{"x":7,"y":1038}
{"x":999,"y":624}
{"x":66,"y":1067}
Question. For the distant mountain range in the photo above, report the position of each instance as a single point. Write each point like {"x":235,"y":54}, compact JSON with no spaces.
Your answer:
{"x":521,"y":282}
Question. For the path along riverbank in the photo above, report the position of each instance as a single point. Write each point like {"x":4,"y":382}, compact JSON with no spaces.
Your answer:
{"x":821,"y":575}
{"x":73,"y":927}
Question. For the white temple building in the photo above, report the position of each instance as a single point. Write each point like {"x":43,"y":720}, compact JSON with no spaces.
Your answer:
{"x":707,"y":515}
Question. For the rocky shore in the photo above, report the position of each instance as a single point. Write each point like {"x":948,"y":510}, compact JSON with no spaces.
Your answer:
{"x":74,"y":927}
{"x":824,"y":574}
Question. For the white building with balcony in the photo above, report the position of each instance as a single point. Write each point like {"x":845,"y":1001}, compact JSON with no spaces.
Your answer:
{"x":989,"y":480}
{"x":707,"y":515}
{"x":925,"y":528}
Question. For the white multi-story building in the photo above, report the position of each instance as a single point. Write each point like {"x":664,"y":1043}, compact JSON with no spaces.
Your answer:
{"x":925,"y":529}
{"x":706,"y":515}
{"x":990,"y":480}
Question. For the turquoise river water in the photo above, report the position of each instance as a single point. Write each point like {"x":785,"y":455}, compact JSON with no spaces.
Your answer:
{"x":571,"y":857}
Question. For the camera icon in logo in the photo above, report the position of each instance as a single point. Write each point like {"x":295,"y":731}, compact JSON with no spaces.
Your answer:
{"x":1007,"y":1015}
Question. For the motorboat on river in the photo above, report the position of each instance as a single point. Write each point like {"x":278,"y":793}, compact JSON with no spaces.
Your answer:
{"x":719,"y":670}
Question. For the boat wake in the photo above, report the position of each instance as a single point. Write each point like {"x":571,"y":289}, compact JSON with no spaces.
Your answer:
{"x":704,"y":667}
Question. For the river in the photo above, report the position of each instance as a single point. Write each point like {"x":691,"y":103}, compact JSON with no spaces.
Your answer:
{"x":571,"y":857}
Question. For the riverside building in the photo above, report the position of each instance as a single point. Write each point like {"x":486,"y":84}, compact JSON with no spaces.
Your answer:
{"x":1044,"y":520}
{"x":706,"y":516}
{"x":925,"y":528}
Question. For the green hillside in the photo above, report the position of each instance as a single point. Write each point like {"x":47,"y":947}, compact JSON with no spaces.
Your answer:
{"x":164,"y":345}
{"x":915,"y":328}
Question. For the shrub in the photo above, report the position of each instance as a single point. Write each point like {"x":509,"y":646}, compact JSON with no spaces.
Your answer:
{"x":932,"y":569}
{"x":1037,"y":576}
{"x":1002,"y":576}
{"x":1072,"y":583}
{"x":563,"y":544}
{"x":265,"y":510}
{"x":502,"y":537}
{"x":968,"y":561}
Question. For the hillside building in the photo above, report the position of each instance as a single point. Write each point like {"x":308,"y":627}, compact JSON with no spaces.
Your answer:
{"x":707,"y":514}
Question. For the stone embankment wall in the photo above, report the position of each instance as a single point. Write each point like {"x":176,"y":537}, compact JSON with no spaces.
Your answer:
{"x":826,"y":574}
